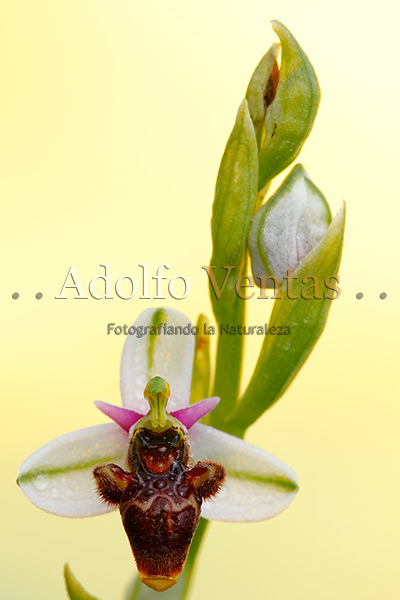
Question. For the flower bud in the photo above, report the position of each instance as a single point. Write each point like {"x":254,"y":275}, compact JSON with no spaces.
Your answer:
{"x":292,"y":107}
{"x":302,"y":313}
{"x":287,"y":227}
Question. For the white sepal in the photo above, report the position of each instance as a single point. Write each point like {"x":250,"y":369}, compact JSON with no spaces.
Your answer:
{"x":164,"y":355}
{"x":258,"y":486}
{"x":58,"y":477}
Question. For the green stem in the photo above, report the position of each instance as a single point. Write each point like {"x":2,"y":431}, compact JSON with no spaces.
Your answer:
{"x":228,"y":367}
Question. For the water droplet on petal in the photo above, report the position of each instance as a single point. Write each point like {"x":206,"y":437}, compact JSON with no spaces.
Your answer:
{"x":41,"y":482}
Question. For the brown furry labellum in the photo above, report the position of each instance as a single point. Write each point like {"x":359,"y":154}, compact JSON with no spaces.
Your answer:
{"x":160,"y":499}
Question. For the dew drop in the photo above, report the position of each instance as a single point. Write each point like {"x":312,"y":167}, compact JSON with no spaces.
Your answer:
{"x":41,"y":482}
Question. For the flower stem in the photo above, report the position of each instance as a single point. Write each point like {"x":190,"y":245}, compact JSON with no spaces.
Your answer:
{"x":227,"y":376}
{"x":228,"y":366}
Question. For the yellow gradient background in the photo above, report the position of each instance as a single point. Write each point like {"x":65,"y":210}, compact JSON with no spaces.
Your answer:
{"x":113,"y":117}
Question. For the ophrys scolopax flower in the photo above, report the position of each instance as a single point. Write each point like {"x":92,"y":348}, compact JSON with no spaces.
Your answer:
{"x":59,"y":477}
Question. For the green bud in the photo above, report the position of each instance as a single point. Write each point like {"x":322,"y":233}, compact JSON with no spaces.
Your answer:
{"x":302,"y":307}
{"x":287,"y":227}
{"x":290,"y":117}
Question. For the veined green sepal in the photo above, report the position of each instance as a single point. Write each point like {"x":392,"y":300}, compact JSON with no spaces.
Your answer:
{"x":290,"y":117}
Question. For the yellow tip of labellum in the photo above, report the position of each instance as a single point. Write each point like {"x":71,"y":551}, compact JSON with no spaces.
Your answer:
{"x":159,"y":584}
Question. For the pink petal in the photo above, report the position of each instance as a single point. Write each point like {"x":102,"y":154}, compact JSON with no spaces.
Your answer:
{"x":124,"y":417}
{"x":188,"y":416}
{"x":194,"y":412}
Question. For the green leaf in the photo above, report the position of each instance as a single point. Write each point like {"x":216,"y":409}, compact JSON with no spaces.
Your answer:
{"x":282,"y":356}
{"x":74,"y":588}
{"x":290,"y":117}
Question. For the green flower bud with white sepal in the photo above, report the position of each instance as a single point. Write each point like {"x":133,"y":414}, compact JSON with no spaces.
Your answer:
{"x":305,"y":315}
{"x":287,"y":227}
{"x":290,"y":117}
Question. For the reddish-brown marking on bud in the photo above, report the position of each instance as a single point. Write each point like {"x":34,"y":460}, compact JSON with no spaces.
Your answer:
{"x":272,"y":85}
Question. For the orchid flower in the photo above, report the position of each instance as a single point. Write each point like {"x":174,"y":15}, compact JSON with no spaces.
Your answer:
{"x":162,"y":469}
{"x":58,"y":477}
